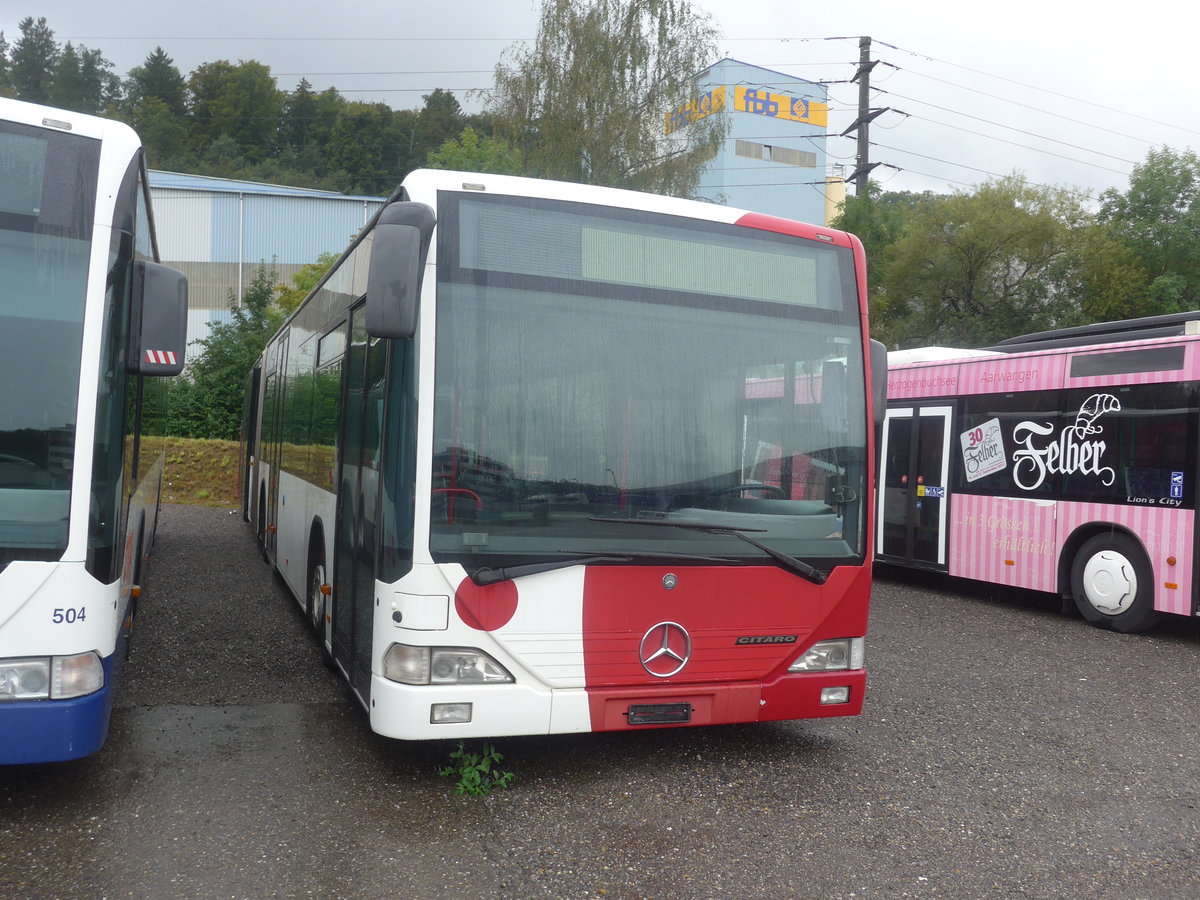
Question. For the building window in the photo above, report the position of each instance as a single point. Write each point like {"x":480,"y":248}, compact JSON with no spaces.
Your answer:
{"x":770,"y":153}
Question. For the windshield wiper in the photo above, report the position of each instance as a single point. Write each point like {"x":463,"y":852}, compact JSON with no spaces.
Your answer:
{"x":485,"y":576}
{"x":786,"y":561}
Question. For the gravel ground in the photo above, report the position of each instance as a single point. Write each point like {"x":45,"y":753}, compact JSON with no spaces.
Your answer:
{"x":1005,"y":751}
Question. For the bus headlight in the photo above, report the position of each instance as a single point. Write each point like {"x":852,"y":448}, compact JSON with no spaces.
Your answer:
{"x":442,"y":665}
{"x":831,"y":656}
{"x":25,"y":679}
{"x":51,"y":677}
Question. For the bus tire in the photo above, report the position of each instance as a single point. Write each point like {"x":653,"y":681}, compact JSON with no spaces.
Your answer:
{"x":131,"y":614}
{"x":318,"y":603}
{"x":261,"y":522}
{"x":1113,"y":585}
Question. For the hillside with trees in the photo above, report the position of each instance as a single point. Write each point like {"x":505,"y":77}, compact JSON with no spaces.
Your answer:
{"x":232,"y":120}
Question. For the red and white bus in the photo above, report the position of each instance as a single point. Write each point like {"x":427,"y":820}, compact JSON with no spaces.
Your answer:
{"x":539,"y":457}
{"x":1062,"y":462}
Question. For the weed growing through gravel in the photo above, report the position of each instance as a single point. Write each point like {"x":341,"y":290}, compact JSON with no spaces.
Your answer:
{"x":477,"y":772}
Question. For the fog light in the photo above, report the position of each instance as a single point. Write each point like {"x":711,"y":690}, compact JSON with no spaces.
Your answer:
{"x":834,"y":695}
{"x":449,"y":713}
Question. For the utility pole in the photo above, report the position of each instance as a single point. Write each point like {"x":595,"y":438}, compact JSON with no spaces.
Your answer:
{"x":863,"y":164}
{"x":863,"y":77}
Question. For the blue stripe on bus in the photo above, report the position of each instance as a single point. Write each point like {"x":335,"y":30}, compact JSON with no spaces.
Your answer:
{"x":36,"y":731}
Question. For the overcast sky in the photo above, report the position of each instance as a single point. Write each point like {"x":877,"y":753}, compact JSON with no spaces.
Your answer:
{"x":1068,"y":94}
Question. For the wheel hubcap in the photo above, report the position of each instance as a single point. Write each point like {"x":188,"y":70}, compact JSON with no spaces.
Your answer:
{"x":1109,"y":582}
{"x":318,"y":598}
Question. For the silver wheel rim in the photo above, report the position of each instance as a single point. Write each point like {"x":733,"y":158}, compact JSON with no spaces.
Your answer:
{"x":318,"y":599}
{"x":1110,"y":582}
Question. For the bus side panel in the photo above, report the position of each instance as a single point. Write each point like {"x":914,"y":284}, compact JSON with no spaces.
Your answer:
{"x":291,"y":549}
{"x":301,"y":504}
{"x":1004,"y":540}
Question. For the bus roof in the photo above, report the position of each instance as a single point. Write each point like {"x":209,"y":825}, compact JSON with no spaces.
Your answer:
{"x":931,"y":354}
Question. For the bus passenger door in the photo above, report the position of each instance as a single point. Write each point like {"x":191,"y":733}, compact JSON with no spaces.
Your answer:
{"x":358,"y":504}
{"x":270,"y":451}
{"x":913,"y":485}
{"x":250,"y":437}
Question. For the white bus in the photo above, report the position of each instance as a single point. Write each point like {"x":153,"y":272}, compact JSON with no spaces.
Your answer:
{"x":86,"y":312}
{"x":539,"y":457}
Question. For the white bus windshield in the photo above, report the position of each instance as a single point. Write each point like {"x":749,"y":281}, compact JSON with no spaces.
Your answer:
{"x":47,"y":197}
{"x":600,"y":367}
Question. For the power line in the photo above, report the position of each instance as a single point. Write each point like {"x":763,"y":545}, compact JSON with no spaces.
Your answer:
{"x":1026,"y":106}
{"x":1023,"y":180}
{"x":226,"y":38}
{"x":1007,"y":127}
{"x":992,"y":137}
{"x":1042,"y":89}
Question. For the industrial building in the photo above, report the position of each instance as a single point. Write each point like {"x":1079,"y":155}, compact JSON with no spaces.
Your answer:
{"x":218,"y":232}
{"x":773,"y":157}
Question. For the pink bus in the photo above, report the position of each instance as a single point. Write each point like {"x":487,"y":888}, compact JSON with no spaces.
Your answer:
{"x":1062,"y":462}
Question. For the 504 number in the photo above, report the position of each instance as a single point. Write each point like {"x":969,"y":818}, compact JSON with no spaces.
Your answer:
{"x":69,"y":616}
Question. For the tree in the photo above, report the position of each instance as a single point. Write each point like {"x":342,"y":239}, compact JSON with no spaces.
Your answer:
{"x":33,"y":59}
{"x":83,"y":81}
{"x":158,"y":79}
{"x":877,"y":219}
{"x":299,"y":113}
{"x":971,"y":269}
{"x":1158,"y":218}
{"x":5,"y":66}
{"x":67,"y":90}
{"x":471,"y":153}
{"x":356,"y":148}
{"x":163,"y":134}
{"x":206,"y":402}
{"x":417,"y":133}
{"x":239,"y":101}
{"x":303,"y":281}
{"x":586,"y":101}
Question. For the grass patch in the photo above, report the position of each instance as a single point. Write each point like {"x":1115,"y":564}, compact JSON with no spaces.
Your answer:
{"x":202,"y":472}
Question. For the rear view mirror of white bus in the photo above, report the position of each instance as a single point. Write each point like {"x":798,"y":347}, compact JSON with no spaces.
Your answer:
{"x":400,"y":245}
{"x":160,"y":319}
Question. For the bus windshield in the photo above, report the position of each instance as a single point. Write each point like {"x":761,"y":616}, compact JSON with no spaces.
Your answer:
{"x":600,"y":368}
{"x":45,"y":234}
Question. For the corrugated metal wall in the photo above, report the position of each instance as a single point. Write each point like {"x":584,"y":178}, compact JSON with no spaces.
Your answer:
{"x":219,"y":232}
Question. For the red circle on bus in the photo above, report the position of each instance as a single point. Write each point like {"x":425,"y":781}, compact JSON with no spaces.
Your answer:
{"x":486,"y":608}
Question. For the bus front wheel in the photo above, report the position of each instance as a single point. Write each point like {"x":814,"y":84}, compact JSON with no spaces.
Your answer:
{"x":1113,"y":585}
{"x":318,"y":602}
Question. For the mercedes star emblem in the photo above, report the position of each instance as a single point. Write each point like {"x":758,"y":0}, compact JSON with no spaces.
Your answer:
{"x":665,"y":649}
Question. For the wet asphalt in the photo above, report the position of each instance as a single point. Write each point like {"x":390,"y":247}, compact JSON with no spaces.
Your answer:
{"x":1005,"y":750}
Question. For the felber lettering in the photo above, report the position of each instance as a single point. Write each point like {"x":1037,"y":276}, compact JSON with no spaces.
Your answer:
{"x":1071,"y":453}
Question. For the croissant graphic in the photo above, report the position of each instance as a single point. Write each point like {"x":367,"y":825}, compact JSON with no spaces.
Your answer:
{"x":1093,"y":408}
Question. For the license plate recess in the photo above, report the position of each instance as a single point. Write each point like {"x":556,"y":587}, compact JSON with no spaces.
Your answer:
{"x":660,"y":713}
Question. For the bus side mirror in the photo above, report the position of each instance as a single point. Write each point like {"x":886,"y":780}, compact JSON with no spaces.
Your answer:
{"x":400,"y":243}
{"x":158,"y":330}
{"x":879,"y":381}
